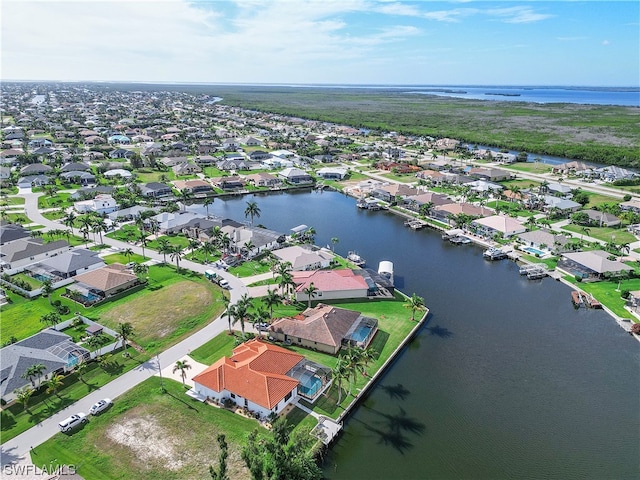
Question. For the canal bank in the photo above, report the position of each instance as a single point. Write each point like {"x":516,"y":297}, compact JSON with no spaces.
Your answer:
{"x":506,"y":380}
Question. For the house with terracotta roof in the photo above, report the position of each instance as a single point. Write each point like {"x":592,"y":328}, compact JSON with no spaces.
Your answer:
{"x":262,"y":378}
{"x":330,"y":284}
{"x":96,"y":285}
{"x":325,"y":328}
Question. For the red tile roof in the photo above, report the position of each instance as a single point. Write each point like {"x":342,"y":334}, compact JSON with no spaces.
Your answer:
{"x":256,"y":371}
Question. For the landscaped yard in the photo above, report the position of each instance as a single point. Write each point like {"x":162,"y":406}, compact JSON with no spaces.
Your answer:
{"x":606,"y":234}
{"x":151,"y":435}
{"x":170,"y":307}
{"x":605,"y":292}
{"x":532,"y":167}
{"x":16,"y":420}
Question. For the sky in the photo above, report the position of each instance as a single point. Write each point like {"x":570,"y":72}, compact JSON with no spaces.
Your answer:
{"x":579,"y":43}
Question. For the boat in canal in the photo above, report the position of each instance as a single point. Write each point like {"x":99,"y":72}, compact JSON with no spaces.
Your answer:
{"x":353,"y":257}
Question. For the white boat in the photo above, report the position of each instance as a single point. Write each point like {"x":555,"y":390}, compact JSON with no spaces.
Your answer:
{"x":353,"y":257}
{"x":385,"y":268}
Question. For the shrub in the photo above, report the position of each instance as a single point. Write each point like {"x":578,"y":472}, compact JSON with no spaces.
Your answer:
{"x":625,"y":293}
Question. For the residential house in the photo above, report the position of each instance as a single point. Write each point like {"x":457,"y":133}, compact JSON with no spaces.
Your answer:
{"x":632,"y":205}
{"x":101,"y":204}
{"x":562,"y":205}
{"x":119,"y":140}
{"x":193,"y":186}
{"x":304,"y":258}
{"x":101,"y":283}
{"x":173,"y":222}
{"x":428,"y":198}
{"x":259,"y":155}
{"x":296,"y":176}
{"x":55,"y":350}
{"x":489,"y":174}
{"x":332,"y":173}
{"x":389,"y":193}
{"x":35,"y":169}
{"x":120,"y":153}
{"x":498,"y":224}
{"x":592,"y":265}
{"x":330,"y":284}
{"x":33,"y":181}
{"x":117,"y":172}
{"x":10,"y":232}
{"x":69,"y":263}
{"x":229,"y":183}
{"x":263,"y":378}
{"x":576,"y":168}
{"x":186,"y":169}
{"x":75,"y":167}
{"x":544,"y":240}
{"x":82,"y":178}
{"x":156,"y":190}
{"x":325,"y":328}
{"x":127,"y":214}
{"x":482,"y":186}
{"x":264,"y":179}
{"x":206,"y":160}
{"x":602,"y":219}
{"x":27,"y":251}
{"x":445,"y":212}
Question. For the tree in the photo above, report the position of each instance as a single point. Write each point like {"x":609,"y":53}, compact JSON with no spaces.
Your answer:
{"x":260,"y":315}
{"x":310,"y":291}
{"x":34,"y":371}
{"x":207,"y":249}
{"x":80,"y":370}
{"x":334,"y":242}
{"x":142,"y":237}
{"x":415,"y":303}
{"x":54,"y":384}
{"x":207,"y":201}
{"x":280,"y":455}
{"x":23,"y":395}
{"x":252,"y":210}
{"x":125,"y":331}
{"x":176,"y":254}
{"x":51,"y":318}
{"x":183,"y":366}
{"x":340,"y":372}
{"x":241,"y":311}
{"x":140,"y":269}
{"x":284,"y":282}
{"x":229,"y":310}
{"x":69,"y":219}
{"x":221,"y":473}
{"x":99,"y":226}
{"x":271,"y":299}
{"x":47,"y":289}
{"x":128,"y":252}
{"x":164,"y":247}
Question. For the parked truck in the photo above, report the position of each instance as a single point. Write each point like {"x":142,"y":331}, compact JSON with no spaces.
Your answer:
{"x":216,"y":278}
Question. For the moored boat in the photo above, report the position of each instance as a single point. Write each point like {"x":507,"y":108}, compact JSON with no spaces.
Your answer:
{"x":353,"y":257}
{"x":385,"y":268}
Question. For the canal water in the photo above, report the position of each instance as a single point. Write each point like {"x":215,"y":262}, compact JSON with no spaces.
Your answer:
{"x":506,"y":380}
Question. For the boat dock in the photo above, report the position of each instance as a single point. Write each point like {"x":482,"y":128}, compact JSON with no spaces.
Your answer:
{"x":460,"y":240}
{"x":493,"y":253}
{"x":415,"y":224}
{"x":534,"y":271}
{"x":582,"y":299}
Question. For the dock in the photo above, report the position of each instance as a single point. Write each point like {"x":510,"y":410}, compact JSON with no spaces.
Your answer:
{"x":534,"y":271}
{"x":415,"y":224}
{"x":582,"y":299}
{"x":460,"y":240}
{"x":494,"y":253}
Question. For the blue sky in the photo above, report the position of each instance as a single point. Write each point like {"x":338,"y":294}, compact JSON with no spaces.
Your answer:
{"x":345,"y":42}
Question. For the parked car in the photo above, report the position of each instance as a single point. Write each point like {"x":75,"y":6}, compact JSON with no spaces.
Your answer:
{"x":100,"y":406}
{"x":223,"y":283}
{"x":72,"y":422}
{"x":262,"y":326}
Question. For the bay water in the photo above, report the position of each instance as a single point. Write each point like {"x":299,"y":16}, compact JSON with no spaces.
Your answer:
{"x":506,"y":380}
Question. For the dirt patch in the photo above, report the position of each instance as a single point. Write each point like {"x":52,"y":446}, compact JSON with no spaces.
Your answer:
{"x":156,"y":314}
{"x":149,"y":441}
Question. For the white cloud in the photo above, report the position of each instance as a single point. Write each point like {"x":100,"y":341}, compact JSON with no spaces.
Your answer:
{"x":606,"y":42}
{"x":518,"y":14}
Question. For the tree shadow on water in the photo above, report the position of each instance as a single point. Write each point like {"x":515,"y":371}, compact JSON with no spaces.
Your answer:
{"x":439,"y":331}
{"x":393,"y":429}
{"x":396,"y":392}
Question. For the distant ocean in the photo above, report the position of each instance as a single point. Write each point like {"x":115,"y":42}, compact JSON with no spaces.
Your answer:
{"x":622,"y":96}
{"x":628,"y":97}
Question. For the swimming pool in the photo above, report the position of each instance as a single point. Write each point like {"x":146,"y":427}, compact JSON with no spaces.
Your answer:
{"x":361,"y":333}
{"x":534,"y":251}
{"x":41,"y":277}
{"x":309,"y":385}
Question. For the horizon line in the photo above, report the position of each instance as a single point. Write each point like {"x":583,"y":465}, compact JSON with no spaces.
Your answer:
{"x":322,"y":84}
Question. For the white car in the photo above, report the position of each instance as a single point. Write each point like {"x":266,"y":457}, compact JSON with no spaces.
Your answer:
{"x":72,"y":422}
{"x":101,"y":406}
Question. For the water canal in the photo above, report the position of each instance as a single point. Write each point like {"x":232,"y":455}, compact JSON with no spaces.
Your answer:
{"x":506,"y":380}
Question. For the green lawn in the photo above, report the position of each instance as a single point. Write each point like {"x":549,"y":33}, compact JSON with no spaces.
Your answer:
{"x":176,"y":240}
{"x":125,"y":233}
{"x":5,"y":201}
{"x":533,"y":167}
{"x":216,"y":348}
{"x":605,"y":292}
{"x":16,"y":420}
{"x":122,"y":258}
{"x":148,"y":419}
{"x":61,"y":199}
{"x":605,"y":234}
{"x":404,"y":177}
{"x":250,"y":268}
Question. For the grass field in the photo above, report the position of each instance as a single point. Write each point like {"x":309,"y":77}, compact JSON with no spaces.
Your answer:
{"x":605,"y":292}
{"x":605,"y":234}
{"x":16,"y":420}
{"x":148,"y":435}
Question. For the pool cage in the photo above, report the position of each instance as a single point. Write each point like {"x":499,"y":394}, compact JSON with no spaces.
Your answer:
{"x":313,"y":377}
{"x":70,"y":353}
{"x":361,"y":332}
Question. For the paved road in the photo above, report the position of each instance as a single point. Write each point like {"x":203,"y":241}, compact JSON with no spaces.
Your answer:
{"x":17,"y":449}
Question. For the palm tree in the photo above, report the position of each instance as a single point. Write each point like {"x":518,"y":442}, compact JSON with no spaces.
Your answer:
{"x":252,"y":211}
{"x":128,"y":253}
{"x":140,"y":269}
{"x":207,"y":249}
{"x":23,"y":395}
{"x":260,"y":315}
{"x":284,"y":282}
{"x":585,"y":231}
{"x":81,"y":368}
{"x":415,"y":303}
{"x":125,"y":331}
{"x":271,"y":299}
{"x":47,"y":289}
{"x":183,"y":366}
{"x":143,"y":242}
{"x":85,"y":227}
{"x":241,"y":310}
{"x":69,"y":219}
{"x":531,"y":222}
{"x":229,"y":310}
{"x":164,"y":247}
{"x":310,"y":291}
{"x":99,"y":226}
{"x":32,"y":372}
{"x":54,"y":384}
{"x":207,"y":201}
{"x":340,"y":372}
{"x":51,"y":318}
{"x":334,"y":242}
{"x":176,"y":254}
